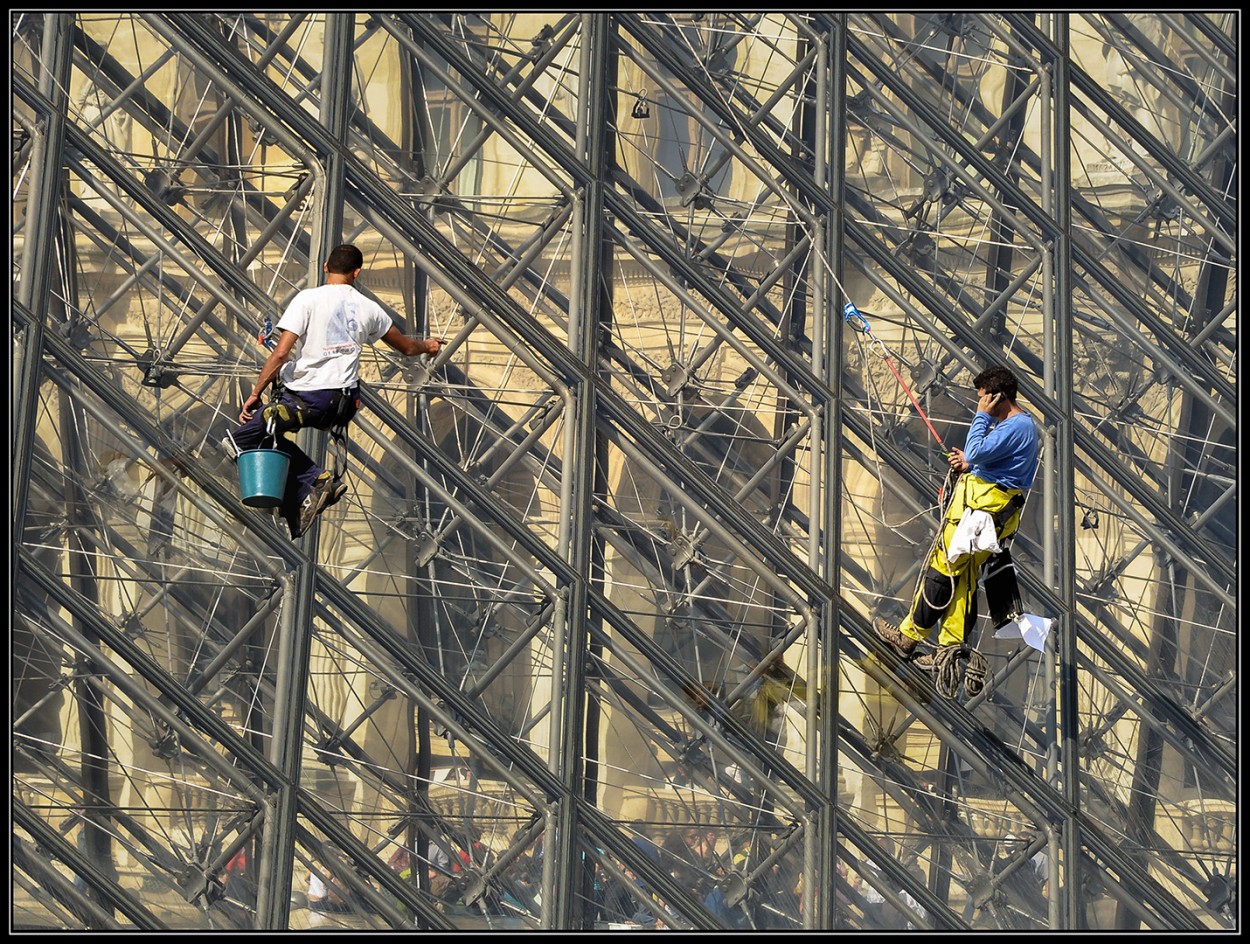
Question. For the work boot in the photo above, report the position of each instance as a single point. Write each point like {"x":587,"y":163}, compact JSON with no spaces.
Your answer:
{"x":894,"y":638}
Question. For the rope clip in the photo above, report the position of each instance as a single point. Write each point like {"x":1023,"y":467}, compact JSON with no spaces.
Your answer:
{"x":851,"y":315}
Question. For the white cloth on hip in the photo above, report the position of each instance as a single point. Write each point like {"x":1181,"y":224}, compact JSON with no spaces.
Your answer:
{"x":975,"y":532}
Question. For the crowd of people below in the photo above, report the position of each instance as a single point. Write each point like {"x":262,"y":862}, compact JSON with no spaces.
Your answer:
{"x":744,"y":880}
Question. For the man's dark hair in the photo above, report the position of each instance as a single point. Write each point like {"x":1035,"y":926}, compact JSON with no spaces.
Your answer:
{"x":344,"y":260}
{"x":997,"y":380}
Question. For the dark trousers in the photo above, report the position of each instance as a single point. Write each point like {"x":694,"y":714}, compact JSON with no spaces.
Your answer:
{"x":317,"y":409}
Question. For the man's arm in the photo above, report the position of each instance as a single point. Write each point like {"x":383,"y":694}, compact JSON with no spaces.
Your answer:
{"x":982,"y":448}
{"x":977,"y":432}
{"x":273,"y":363}
{"x":411,"y":347}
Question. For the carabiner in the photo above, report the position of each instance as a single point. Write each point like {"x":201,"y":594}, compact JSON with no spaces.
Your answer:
{"x":852,"y":316}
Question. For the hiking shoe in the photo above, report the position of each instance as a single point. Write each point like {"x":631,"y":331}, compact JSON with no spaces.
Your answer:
{"x":977,"y":675}
{"x":892,"y":636}
{"x":313,"y":504}
{"x":337,"y":491}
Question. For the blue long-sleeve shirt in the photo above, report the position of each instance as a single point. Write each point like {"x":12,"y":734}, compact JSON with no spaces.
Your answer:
{"x":1005,"y":452}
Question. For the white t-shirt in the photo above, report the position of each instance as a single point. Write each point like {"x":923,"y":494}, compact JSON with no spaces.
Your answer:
{"x":333,"y":323}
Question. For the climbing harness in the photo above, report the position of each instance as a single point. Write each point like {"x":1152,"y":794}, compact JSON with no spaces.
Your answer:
{"x":999,"y":582}
{"x":294,"y":414}
{"x":286,"y":417}
{"x":342,"y":409}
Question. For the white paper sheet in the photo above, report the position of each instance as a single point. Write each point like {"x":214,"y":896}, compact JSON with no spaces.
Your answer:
{"x":1032,"y":629}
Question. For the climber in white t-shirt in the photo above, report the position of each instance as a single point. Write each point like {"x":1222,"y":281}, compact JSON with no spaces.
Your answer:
{"x":316,"y":369}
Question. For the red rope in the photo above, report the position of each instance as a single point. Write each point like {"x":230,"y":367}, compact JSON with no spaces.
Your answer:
{"x":859,"y":323}
{"x":915,"y":402}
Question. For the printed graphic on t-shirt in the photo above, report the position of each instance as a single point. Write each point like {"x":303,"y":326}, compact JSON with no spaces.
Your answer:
{"x":342,"y":332}
{"x":333,"y":323}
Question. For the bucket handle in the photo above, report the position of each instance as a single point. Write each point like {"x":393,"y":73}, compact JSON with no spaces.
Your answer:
{"x":271,"y":429}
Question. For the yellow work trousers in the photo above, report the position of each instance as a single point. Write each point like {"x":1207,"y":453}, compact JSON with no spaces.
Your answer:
{"x":947,"y":592}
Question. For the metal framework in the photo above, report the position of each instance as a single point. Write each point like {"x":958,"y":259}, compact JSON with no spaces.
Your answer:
{"x":589,"y":642}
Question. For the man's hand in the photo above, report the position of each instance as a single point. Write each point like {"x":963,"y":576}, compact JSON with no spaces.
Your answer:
{"x":433,"y":345}
{"x":956,"y":459}
{"x":988,"y":401}
{"x":249,"y":407}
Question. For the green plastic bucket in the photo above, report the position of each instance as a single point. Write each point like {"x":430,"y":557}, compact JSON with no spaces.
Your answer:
{"x":262,"y":477}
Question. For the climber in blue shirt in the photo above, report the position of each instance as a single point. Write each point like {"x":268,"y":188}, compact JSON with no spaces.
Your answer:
{"x":996,"y":466}
{"x":1002,"y":444}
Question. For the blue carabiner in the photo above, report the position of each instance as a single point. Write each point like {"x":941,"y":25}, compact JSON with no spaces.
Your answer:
{"x":264,"y":337}
{"x":851,"y":315}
